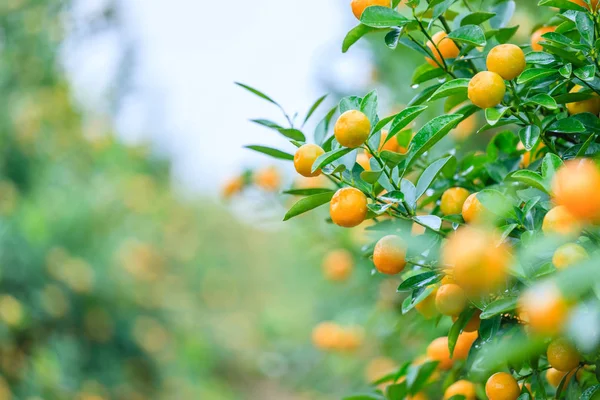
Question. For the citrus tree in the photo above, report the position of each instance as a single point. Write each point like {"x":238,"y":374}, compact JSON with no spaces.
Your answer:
{"x":501,"y":241}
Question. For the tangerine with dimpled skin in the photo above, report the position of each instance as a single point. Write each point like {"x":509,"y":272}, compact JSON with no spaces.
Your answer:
{"x":359,"y":6}
{"x":389,"y":255}
{"x":507,"y":60}
{"x":560,"y":221}
{"x":486,"y":89}
{"x":348,"y":207}
{"x":461,"y":388}
{"x":502,"y":386}
{"x":536,"y":37}
{"x":569,"y":254}
{"x":450,"y":299}
{"x":446,"y":48}
{"x":576,"y":186}
{"x":305,"y":158}
{"x":591,"y":105}
{"x":472,"y":210}
{"x":562,"y":355}
{"x":544,"y":308}
{"x":438,"y":351}
{"x":352,"y":129}
{"x":453,"y":200}
{"x":479,"y":260}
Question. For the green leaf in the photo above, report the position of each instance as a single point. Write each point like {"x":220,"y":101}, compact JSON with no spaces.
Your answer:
{"x":573,"y":97}
{"x":404,"y":118}
{"x":426,"y":72}
{"x":383,"y":122}
{"x":430,"y":173}
{"x":423,"y":374}
{"x":498,"y":307}
{"x":493,"y":115}
{"x":567,"y":125}
{"x":432,"y":222}
{"x":564,"y":4}
{"x":534,"y":73}
{"x":349,"y":103}
{"x":543,"y":100}
{"x":503,"y":35}
{"x":323,"y":126}
{"x":590,"y":392}
{"x":293,"y":134}
{"x":382,"y":17}
{"x":308,"y":203}
{"x":419,"y":281}
{"x":550,"y":164}
{"x":370,"y":176}
{"x":585,"y":26}
{"x":418,"y":296}
{"x":368,"y":106}
{"x":313,"y":108}
{"x":396,"y":391}
{"x":529,"y":178}
{"x":354,"y":35}
{"x":540,"y":58}
{"x":476,"y":18}
{"x":267,"y":123}
{"x":566,"y":70}
{"x":586,"y":74}
{"x":469,"y":34}
{"x":529,"y":136}
{"x":306,"y":192}
{"x":431,"y":133}
{"x":257,"y":93}
{"x":271,"y":152}
{"x":329,"y":157}
{"x":453,"y":87}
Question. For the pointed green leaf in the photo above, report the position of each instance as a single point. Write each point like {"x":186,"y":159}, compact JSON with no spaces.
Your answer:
{"x":534,"y":73}
{"x":382,"y":17}
{"x":499,"y":306}
{"x":308,"y":203}
{"x":431,"y":133}
{"x":354,"y":35}
{"x":469,"y":34}
{"x":271,"y":152}
{"x":430,"y":173}
{"x":455,"y":86}
{"x":529,"y":136}
{"x":329,"y":157}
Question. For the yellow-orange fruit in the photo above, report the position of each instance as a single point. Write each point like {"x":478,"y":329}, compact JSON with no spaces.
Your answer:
{"x":569,"y":254}
{"x":390,"y":145}
{"x":325,"y":335}
{"x":544,"y":307}
{"x":562,"y":355}
{"x":348,"y":207}
{"x":349,"y":339}
{"x":352,"y":129}
{"x":232,"y":187}
{"x":479,"y":261}
{"x":389,"y":255}
{"x":590,"y":105}
{"x":378,"y":368}
{"x":305,"y":158}
{"x":554,"y":376}
{"x":576,"y":186}
{"x":338,"y":265}
{"x":528,"y":157}
{"x":583,"y":4}
{"x":486,"y":89}
{"x":359,"y":6}
{"x":427,"y":307}
{"x":362,"y":159}
{"x":502,"y":386}
{"x":446,"y":48}
{"x":453,"y":199}
{"x":463,"y":345}
{"x":507,"y":60}
{"x":472,"y":210}
{"x":560,"y":221}
{"x":438,"y":351}
{"x":465,"y":128}
{"x":473,"y":323}
{"x":536,"y":37}
{"x":461,"y":388}
{"x":450,"y":300}
{"x":268,"y":179}
{"x":418,"y":396}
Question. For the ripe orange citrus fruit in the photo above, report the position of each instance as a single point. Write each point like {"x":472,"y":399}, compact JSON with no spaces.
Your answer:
{"x":389,"y":255}
{"x":576,"y":186}
{"x":348,"y":207}
{"x":554,"y":376}
{"x":461,"y":388}
{"x":472,"y":210}
{"x":562,"y":355}
{"x":463,"y":345}
{"x":450,"y":300}
{"x":590,"y":105}
{"x":528,"y":157}
{"x":438,"y":351}
{"x":569,"y":254}
{"x":560,"y":221}
{"x":473,"y":323}
{"x":363,"y":160}
{"x":338,"y":265}
{"x":453,"y":199}
{"x":427,"y":307}
{"x":544,"y":307}
{"x":446,"y":48}
{"x":305,"y":158}
{"x":359,"y":6}
{"x":507,"y":60}
{"x":486,"y":89}
{"x":325,"y":335}
{"x":502,"y":386}
{"x":390,"y":145}
{"x":479,"y":261}
{"x":268,"y":179}
{"x":232,"y":187}
{"x":352,"y":129}
{"x":536,"y":37}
